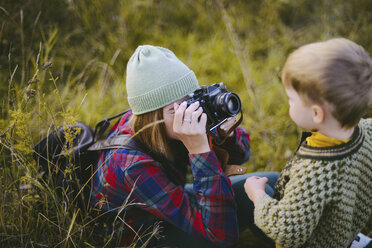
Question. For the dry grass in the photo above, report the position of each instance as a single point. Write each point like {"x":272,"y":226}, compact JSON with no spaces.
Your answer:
{"x":57,"y":67}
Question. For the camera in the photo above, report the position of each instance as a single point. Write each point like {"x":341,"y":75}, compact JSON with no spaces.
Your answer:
{"x":218,"y":103}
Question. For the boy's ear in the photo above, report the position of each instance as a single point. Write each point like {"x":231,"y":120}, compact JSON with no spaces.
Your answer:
{"x":318,"y":113}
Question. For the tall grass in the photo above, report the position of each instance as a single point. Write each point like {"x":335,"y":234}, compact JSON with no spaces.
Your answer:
{"x":57,"y":67}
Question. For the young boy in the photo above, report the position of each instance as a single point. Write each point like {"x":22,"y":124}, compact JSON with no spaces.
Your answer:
{"x":323,"y":196}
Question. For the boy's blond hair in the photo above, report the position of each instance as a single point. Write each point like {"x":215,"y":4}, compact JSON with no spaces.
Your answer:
{"x":337,"y":71}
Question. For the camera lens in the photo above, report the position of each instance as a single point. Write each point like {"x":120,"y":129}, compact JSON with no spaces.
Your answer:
{"x":227,"y":104}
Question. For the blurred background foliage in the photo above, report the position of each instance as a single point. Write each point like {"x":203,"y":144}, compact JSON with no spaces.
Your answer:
{"x":66,"y":59}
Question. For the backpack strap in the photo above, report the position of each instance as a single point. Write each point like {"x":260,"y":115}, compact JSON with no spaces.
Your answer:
{"x":104,"y":124}
{"x":126,"y":141}
{"x":119,"y":141}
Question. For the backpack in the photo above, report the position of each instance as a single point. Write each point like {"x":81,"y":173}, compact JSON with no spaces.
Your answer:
{"x":69,"y":167}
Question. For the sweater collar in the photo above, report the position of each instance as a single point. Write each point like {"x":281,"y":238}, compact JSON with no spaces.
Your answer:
{"x":332,"y":152}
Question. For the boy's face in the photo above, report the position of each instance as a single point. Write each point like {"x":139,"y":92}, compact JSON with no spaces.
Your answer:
{"x":300,"y":113}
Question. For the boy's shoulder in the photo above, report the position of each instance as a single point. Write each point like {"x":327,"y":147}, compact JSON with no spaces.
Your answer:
{"x":366,"y":124}
{"x":300,"y":166}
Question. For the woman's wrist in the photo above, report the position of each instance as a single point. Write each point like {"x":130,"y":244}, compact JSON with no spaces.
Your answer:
{"x":199,"y":149}
{"x":196,"y":147}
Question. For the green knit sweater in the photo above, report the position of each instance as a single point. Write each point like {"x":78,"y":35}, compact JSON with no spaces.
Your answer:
{"x":323,"y":196}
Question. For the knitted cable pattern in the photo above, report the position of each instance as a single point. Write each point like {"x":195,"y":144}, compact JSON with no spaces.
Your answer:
{"x":323,"y":195}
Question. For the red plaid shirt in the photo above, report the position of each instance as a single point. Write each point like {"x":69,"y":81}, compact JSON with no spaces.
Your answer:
{"x":135,"y":180}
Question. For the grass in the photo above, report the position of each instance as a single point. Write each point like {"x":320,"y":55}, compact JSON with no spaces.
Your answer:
{"x":57,"y":67}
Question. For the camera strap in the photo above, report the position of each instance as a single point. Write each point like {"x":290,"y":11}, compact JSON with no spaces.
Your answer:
{"x":228,"y":169}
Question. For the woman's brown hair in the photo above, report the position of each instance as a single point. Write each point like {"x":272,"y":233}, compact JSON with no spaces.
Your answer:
{"x":149,"y":128}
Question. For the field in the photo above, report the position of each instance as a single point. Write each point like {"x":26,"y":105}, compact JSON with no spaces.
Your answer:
{"x":64,"y":60}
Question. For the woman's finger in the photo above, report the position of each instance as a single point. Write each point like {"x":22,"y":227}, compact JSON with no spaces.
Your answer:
{"x":187,"y":119}
{"x":195,"y":119}
{"x":229,"y":123}
{"x":203,"y":121}
{"x":178,"y":116}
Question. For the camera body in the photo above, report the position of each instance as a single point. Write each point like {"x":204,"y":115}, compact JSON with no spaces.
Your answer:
{"x":218,"y":103}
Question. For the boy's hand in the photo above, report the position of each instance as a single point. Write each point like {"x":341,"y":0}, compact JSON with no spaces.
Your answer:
{"x":255,"y":187}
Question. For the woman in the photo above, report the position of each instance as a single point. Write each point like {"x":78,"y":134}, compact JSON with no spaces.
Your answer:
{"x":171,"y":136}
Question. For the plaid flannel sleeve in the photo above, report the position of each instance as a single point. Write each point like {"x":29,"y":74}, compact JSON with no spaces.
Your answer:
{"x":213,"y":218}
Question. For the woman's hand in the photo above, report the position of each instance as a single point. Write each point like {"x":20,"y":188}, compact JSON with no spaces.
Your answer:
{"x":189,"y":129}
{"x":229,"y":123}
{"x":255,"y":187}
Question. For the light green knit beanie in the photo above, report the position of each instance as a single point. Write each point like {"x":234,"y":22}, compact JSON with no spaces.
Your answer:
{"x":156,"y":78}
